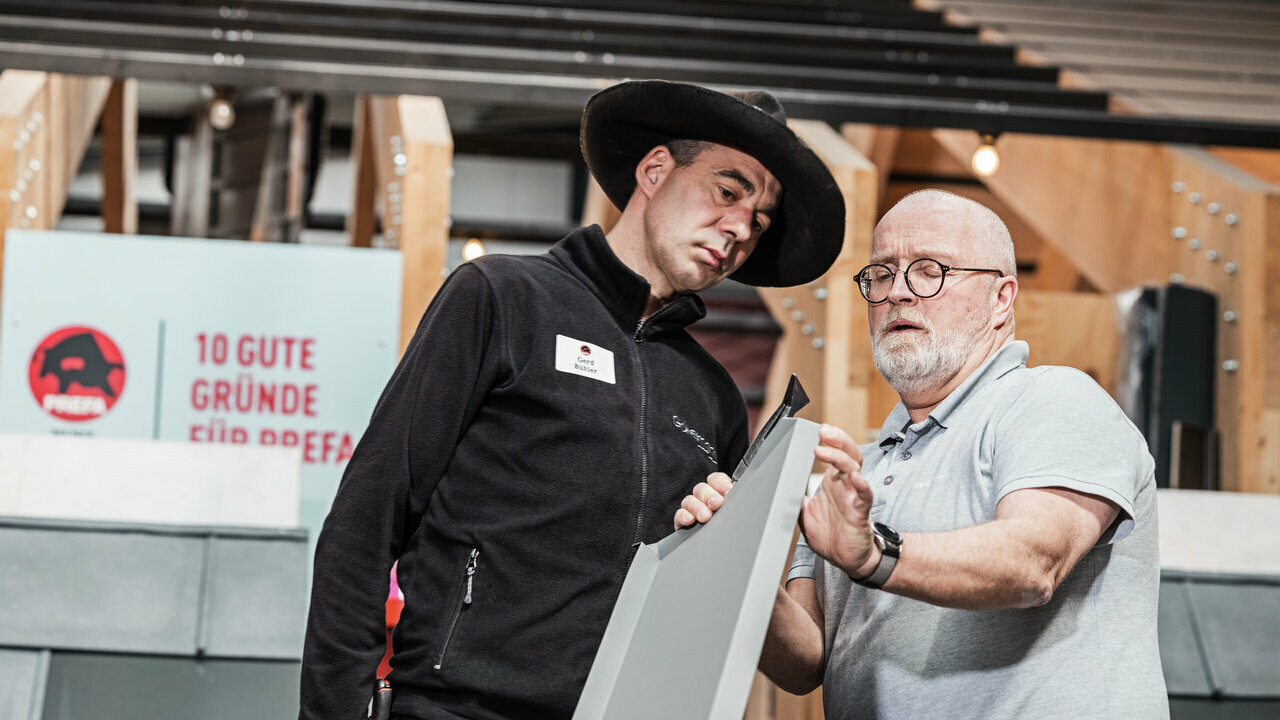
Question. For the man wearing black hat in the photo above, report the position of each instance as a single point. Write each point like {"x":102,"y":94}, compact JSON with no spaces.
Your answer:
{"x":551,"y":412}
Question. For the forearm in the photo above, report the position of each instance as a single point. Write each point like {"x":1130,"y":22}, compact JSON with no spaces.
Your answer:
{"x":992,"y":566}
{"x":793,"y":646}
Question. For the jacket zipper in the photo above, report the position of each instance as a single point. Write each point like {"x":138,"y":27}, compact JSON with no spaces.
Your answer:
{"x":644,"y":439}
{"x":457,"y":610}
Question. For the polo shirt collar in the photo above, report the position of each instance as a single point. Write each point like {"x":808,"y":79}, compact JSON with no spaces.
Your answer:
{"x":1010,"y":357}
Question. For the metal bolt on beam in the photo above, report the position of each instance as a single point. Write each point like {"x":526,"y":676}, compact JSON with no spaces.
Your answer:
{"x":788,"y":303}
{"x":820,"y":293}
{"x":1211,"y":255}
{"x":1193,"y":244}
{"x":1229,"y":268}
{"x":1194,"y":198}
{"x":797,"y":316}
{"x":818,"y":343}
{"x":1178,"y":187}
{"x":1229,"y":316}
{"x":807,"y":329}
{"x":1177,"y":278}
{"x":1230,"y":365}
{"x":1179,"y":232}
{"x":1232,"y":219}
{"x":1213,"y":208}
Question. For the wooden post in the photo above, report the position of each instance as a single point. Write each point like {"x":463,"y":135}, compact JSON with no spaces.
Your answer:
{"x":362,"y":218}
{"x":120,"y":158}
{"x":413,"y":153}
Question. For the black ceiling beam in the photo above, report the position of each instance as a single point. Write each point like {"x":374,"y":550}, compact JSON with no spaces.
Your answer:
{"x":119,"y":36}
{"x":475,"y":21}
{"x":570,"y":93}
{"x":846,"y":56}
{"x":894,"y":15}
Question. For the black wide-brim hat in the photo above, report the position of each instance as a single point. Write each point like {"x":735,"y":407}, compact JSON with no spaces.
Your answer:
{"x":622,"y":123}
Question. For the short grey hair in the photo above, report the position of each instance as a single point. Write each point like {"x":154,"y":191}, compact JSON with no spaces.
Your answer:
{"x":990,"y":234}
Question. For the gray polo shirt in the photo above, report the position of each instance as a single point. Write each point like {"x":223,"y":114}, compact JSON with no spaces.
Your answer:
{"x":1091,"y":651}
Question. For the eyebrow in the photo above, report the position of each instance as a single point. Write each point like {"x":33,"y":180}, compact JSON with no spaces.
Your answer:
{"x":736,"y":176}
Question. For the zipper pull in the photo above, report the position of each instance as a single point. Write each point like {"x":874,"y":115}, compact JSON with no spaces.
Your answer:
{"x":639,"y":327}
{"x":471,"y":572}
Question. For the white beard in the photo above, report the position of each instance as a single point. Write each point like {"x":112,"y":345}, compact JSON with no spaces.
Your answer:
{"x":918,"y":362}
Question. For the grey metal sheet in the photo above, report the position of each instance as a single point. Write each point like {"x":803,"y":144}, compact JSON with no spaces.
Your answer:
{"x":114,"y":687}
{"x":716,"y":583}
{"x":1184,"y":669}
{"x":257,"y":603}
{"x":227,"y":592}
{"x":1240,"y":623}
{"x":23,"y":674}
{"x":112,"y":590}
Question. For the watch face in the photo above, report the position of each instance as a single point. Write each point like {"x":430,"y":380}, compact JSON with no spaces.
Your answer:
{"x":889,"y":533}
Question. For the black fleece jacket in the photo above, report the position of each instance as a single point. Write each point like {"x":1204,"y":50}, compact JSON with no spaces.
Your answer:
{"x":512,"y":492}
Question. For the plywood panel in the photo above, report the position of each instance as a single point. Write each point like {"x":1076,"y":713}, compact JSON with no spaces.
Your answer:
{"x":1069,"y":328}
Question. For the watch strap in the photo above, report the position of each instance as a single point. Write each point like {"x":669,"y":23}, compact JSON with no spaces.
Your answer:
{"x":890,"y":544}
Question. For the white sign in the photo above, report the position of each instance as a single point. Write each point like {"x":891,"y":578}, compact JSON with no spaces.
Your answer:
{"x":199,"y":341}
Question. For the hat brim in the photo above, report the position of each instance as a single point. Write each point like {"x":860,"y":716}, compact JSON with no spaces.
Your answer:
{"x":621,"y":124}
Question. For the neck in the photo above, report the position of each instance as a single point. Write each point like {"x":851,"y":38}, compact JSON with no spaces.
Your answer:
{"x":627,"y":240}
{"x":920,"y":404}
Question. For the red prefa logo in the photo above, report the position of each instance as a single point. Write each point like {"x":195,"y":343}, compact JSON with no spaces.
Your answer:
{"x":76,"y":373}
{"x":585,"y":349}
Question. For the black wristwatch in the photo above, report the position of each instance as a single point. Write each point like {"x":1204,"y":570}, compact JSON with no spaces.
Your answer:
{"x":890,"y":544}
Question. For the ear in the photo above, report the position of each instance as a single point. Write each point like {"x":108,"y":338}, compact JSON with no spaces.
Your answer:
{"x":1005,"y":290}
{"x":652,"y":169}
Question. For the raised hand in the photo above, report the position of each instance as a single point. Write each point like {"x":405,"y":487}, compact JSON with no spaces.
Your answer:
{"x":835,"y":520}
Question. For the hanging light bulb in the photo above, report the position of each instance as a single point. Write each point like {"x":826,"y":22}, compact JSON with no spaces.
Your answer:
{"x":221,"y":114}
{"x":472,"y":249}
{"x":986,"y":159}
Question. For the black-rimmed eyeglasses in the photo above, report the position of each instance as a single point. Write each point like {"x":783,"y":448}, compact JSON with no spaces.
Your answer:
{"x":924,"y":278}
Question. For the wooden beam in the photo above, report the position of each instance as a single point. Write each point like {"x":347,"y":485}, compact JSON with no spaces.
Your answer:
{"x":919,"y":153}
{"x":825,"y":343}
{"x":74,"y":105}
{"x":877,"y":143}
{"x":120,"y":158}
{"x":23,"y":127}
{"x":363,"y":216}
{"x":1053,"y":270}
{"x":1131,"y":214}
{"x":598,"y":209}
{"x":413,"y":153}
{"x":1102,"y":204}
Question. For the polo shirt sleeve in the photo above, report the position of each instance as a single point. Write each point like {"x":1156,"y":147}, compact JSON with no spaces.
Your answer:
{"x":803,"y":563}
{"x":1064,"y":431}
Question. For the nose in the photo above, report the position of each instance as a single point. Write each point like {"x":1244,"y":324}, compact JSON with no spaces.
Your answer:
{"x":899,"y":293}
{"x":735,"y":225}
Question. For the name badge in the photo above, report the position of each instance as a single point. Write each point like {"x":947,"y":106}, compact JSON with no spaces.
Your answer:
{"x":583,"y":358}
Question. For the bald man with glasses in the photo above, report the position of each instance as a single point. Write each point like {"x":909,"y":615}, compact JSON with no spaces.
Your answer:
{"x":993,"y":554}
